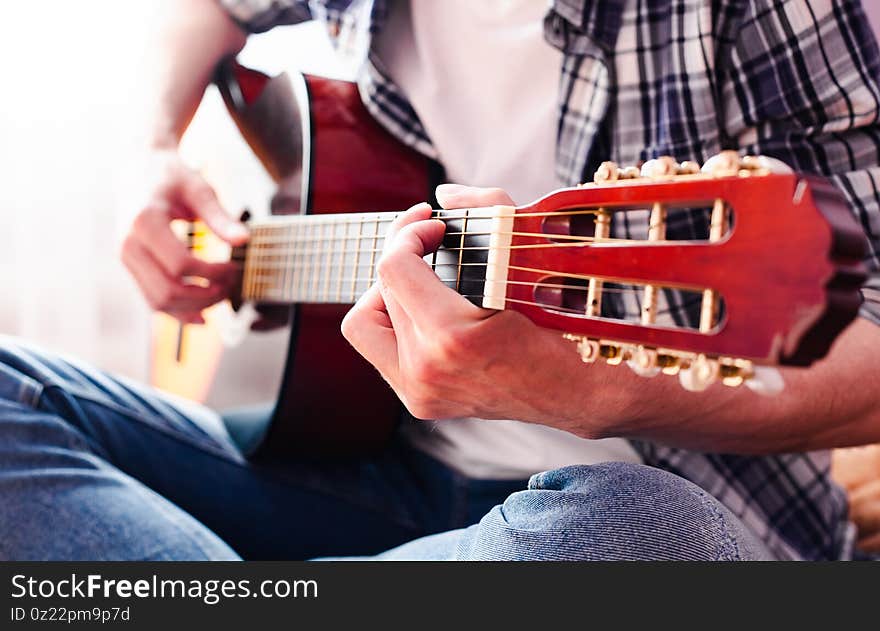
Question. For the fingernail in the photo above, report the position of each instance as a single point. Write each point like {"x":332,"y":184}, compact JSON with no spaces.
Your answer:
{"x":237,"y":230}
{"x":449,"y":190}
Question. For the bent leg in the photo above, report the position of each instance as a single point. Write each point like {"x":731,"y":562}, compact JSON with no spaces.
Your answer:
{"x":61,"y":501}
{"x":604,"y":512}
{"x":93,"y":467}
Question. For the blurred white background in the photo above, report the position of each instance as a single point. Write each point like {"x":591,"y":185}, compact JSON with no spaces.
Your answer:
{"x":72,"y":123}
{"x":71,"y":119}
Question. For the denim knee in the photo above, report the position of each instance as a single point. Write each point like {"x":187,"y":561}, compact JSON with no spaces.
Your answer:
{"x":610,"y":511}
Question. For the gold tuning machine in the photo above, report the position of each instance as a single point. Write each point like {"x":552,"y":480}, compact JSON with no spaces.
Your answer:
{"x":701,"y":373}
{"x":644,"y":362}
{"x":588,"y":349}
{"x":696,"y":371}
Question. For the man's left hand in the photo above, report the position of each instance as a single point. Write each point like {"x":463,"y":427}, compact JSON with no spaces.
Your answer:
{"x":445,"y":357}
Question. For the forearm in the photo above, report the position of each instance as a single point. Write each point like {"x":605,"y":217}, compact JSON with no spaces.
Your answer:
{"x":834,"y":403}
{"x":192,"y":38}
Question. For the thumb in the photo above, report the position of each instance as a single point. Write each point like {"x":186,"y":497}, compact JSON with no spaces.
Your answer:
{"x":458,"y":196}
{"x":203,"y":202}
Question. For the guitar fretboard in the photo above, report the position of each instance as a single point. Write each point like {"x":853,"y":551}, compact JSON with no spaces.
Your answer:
{"x":333,"y":258}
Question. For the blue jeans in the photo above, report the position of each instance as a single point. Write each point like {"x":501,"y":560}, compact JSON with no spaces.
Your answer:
{"x":94,"y":467}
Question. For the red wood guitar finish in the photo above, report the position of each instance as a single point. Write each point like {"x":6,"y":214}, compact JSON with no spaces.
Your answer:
{"x":787,"y":270}
{"x":734,"y":267}
{"x":352,"y":164}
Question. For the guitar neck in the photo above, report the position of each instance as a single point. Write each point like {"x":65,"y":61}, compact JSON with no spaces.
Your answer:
{"x":332,"y":259}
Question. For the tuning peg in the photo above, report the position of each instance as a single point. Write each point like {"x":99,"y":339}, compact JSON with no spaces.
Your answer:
{"x":723,"y":164}
{"x":588,"y":349}
{"x":701,"y":374}
{"x":607,"y":172}
{"x":643,"y":362}
{"x":660,"y":167}
{"x":766,"y":381}
{"x":764,"y":163}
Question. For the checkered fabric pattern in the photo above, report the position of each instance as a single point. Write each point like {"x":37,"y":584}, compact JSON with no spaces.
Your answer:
{"x":792,"y":79}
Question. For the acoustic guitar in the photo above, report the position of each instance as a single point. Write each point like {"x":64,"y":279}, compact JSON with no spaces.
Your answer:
{"x":774,"y":280}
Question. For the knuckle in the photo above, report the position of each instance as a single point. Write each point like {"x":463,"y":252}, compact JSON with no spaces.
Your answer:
{"x":128,"y":247}
{"x":386,"y":265}
{"x":349,"y":324}
{"x":164,"y":297}
{"x":451,"y":345}
{"x":424,"y":372}
{"x":177,"y":261}
{"x":420,"y":408}
{"x":144,"y":221}
{"x":199,"y":191}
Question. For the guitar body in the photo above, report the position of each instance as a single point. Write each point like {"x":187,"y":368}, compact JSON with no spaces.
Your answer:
{"x":779,"y":244}
{"x":338,"y":160}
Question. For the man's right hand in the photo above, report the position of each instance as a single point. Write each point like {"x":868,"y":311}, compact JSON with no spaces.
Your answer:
{"x":170,"y":277}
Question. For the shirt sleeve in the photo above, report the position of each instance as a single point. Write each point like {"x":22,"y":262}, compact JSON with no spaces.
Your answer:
{"x":871,"y":293}
{"x":804,"y":86}
{"x":257,"y":16}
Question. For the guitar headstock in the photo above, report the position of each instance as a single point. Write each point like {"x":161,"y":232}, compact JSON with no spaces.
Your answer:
{"x":772,"y":280}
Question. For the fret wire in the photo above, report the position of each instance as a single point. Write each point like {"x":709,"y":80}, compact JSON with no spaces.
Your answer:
{"x":341,"y":266}
{"x":302,"y":266}
{"x":357,"y":255}
{"x":329,"y":266}
{"x":245,"y":282}
{"x":461,"y":251}
{"x":374,"y":250}
{"x":313,"y":286}
{"x":298,"y":258}
{"x":257,"y":287}
{"x":288,"y":274}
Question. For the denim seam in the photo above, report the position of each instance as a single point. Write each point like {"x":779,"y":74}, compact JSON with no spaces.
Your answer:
{"x":34,"y":389}
{"x":729,"y":541}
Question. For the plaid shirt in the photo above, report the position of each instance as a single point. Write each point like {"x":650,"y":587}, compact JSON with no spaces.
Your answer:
{"x":792,"y":79}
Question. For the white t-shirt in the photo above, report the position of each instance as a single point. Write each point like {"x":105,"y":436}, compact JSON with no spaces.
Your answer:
{"x":484,"y":84}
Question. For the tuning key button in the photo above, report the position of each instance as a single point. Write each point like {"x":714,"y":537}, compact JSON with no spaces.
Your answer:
{"x":701,"y":374}
{"x":607,"y":172}
{"x":643,"y":361}
{"x":764,"y":163}
{"x":723,"y":164}
{"x":588,"y":349}
{"x":663,"y":166}
{"x":766,"y":381}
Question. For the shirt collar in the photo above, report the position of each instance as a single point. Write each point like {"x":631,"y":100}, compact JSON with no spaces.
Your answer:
{"x":598,"y":20}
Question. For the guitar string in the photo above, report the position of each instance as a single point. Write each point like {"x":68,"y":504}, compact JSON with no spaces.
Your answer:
{"x":631,"y":287}
{"x":262,"y":241}
{"x":274,"y":272}
{"x":269,"y":247}
{"x":605,"y":290}
{"x":282,"y":221}
{"x":552,"y":308}
{"x":528,"y":246}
